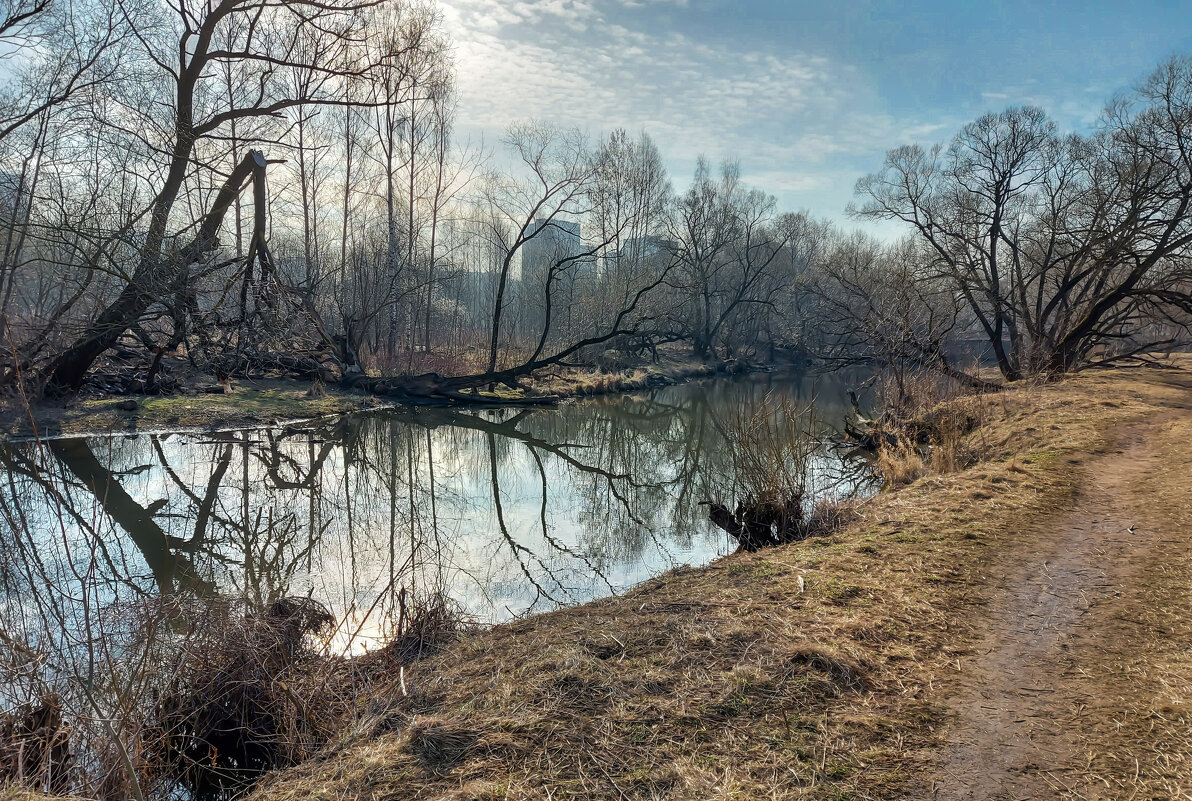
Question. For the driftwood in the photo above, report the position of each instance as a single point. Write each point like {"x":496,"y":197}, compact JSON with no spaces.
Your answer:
{"x":860,"y":431}
{"x":300,"y":365}
{"x":893,"y":429}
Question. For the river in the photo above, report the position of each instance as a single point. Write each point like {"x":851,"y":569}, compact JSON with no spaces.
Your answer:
{"x":507,"y":512}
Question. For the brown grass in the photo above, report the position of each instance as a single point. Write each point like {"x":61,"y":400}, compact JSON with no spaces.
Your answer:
{"x":726,"y":682}
{"x":14,"y":793}
{"x":1140,"y":744}
{"x":900,"y":462}
{"x":926,"y":430}
{"x":247,"y":694}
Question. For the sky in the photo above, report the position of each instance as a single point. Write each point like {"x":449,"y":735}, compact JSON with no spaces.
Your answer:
{"x":807,"y":96}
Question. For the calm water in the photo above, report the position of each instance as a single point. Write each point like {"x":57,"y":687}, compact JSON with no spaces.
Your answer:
{"x":508,"y":512}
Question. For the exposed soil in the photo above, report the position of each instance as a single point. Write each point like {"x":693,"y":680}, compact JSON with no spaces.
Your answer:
{"x":1017,"y":733}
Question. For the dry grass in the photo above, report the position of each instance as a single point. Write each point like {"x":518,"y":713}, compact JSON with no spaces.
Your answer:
{"x":236,"y":691}
{"x":727,"y":682}
{"x":1140,"y":744}
{"x":900,"y":462}
{"x":830,"y":515}
{"x":926,"y":430}
{"x":35,"y":746}
{"x":14,"y":793}
{"x":249,"y":692}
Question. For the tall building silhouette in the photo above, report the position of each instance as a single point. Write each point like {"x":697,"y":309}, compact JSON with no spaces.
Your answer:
{"x":551,"y":244}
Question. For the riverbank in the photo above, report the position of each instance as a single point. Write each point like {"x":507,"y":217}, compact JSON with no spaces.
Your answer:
{"x":249,"y":403}
{"x":1020,"y":623}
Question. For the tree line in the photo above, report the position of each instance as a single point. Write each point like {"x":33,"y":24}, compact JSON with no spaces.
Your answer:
{"x":242,"y":186}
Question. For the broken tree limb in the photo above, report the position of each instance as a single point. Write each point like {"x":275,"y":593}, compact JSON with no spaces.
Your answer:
{"x":155,"y":272}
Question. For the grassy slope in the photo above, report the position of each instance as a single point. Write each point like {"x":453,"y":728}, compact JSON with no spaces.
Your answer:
{"x":726,"y":682}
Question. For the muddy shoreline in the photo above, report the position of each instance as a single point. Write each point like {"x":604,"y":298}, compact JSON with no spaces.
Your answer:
{"x":287,"y":402}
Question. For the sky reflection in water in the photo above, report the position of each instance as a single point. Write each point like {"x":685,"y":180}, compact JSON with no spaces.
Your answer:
{"x":509,"y":512}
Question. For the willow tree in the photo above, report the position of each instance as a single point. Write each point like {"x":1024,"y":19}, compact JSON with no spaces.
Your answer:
{"x":170,"y":98}
{"x":1061,"y":247}
{"x":727,"y":240}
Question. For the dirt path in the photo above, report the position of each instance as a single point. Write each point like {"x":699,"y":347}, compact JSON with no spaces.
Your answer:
{"x":1017,"y":731}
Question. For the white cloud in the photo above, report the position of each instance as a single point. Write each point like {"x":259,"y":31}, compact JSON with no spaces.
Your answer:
{"x":593,"y":64}
{"x":1075,"y":110}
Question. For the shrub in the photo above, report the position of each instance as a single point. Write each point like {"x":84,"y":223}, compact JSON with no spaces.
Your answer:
{"x":773,"y":448}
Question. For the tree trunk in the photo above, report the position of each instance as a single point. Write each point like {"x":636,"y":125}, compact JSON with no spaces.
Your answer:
{"x":155,"y":272}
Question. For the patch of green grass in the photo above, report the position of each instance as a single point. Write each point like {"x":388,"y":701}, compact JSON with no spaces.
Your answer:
{"x":839,"y":591}
{"x":732,"y":706}
{"x":502,"y":393}
{"x":1045,"y":458}
{"x":839,"y":769}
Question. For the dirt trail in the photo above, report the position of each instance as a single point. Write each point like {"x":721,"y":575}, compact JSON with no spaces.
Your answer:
{"x":1016,"y":733}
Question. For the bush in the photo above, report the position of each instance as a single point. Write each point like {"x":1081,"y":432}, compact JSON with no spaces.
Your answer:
{"x":249,"y":694}
{"x":924,"y":428}
{"x":773,"y":448}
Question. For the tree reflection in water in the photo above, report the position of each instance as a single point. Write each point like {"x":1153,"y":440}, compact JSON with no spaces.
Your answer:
{"x":508,"y":512}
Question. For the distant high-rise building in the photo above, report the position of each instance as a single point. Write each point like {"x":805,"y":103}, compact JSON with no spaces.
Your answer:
{"x":549,"y":242}
{"x":551,"y":245}
{"x":635,"y":253}
{"x":640,"y":248}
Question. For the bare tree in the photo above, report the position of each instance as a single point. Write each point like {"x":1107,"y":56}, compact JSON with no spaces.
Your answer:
{"x":726,"y":244}
{"x":877,"y":304}
{"x":1059,"y":247}
{"x":180,"y":54}
{"x":53,"y":52}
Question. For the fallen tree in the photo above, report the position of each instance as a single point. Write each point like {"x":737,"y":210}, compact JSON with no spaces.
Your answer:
{"x":155,"y":275}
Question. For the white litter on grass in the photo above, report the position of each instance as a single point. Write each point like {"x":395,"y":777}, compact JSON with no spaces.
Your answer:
{"x":800,"y":583}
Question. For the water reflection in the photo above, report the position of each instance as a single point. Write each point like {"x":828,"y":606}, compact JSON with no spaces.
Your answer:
{"x":508,"y":512}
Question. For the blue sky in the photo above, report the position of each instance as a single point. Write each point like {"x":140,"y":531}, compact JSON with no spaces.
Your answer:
{"x":808,"y":96}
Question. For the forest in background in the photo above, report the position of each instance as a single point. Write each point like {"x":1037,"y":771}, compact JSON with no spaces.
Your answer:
{"x":241,"y":187}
